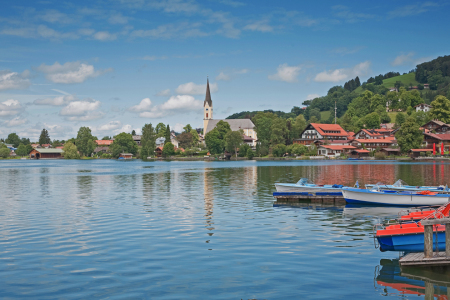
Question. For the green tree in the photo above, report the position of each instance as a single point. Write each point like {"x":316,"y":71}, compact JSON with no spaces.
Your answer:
{"x":279,"y":131}
{"x":160,"y":130}
{"x":313,"y":119}
{"x":263,"y":127}
{"x":440,"y":109}
{"x":4,"y":152}
{"x":187,"y":128}
{"x":409,"y":136}
{"x":279,"y":150}
{"x":25,"y":141}
{"x":168,"y":149}
{"x":399,"y":119}
{"x":106,"y":138}
{"x":44,"y":138}
{"x":233,"y":139}
{"x":195,"y":137}
{"x":167,"y":134}
{"x":223,"y":128}
{"x":316,"y":113}
{"x":123,"y":143}
{"x":384,"y":118}
{"x":85,"y":141}
{"x":297,"y":127}
{"x":421,"y":117}
{"x":213,"y":142}
{"x":133,"y":132}
{"x":372,"y":120}
{"x":392,"y":100}
{"x":70,"y":151}
{"x":243,"y":149}
{"x":21,"y":150}
{"x":250,"y":153}
{"x":299,"y":149}
{"x":13,"y":139}
{"x":148,"y":141}
{"x":29,"y":148}
{"x":185,"y":140}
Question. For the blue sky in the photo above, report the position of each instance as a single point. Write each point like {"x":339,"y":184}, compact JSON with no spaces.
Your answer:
{"x":114,"y":65}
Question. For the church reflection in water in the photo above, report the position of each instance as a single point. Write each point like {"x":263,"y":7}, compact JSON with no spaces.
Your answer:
{"x":433,"y":283}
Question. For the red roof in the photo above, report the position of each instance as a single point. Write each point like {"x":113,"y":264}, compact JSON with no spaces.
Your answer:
{"x":60,"y":147}
{"x":338,"y":147}
{"x":247,"y":138}
{"x":442,"y":137}
{"x":323,"y":128}
{"x":362,"y":151}
{"x":421,"y":150}
{"x":104,"y":142}
{"x":376,"y":141}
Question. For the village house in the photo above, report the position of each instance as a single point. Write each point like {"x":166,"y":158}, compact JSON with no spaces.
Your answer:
{"x":316,"y":131}
{"x":160,"y":142}
{"x":423,"y":107}
{"x":416,"y":152}
{"x":334,"y":150}
{"x":137,"y":139}
{"x":374,"y":144}
{"x":373,"y":133}
{"x":359,"y":153}
{"x":46,"y":153}
{"x":104,"y":142}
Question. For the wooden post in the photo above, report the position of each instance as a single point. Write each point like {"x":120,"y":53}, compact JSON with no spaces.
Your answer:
{"x":447,"y":239}
{"x":428,"y":241}
{"x":429,"y":291}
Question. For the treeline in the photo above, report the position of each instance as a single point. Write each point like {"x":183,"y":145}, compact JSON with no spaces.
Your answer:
{"x":436,"y":73}
{"x":295,"y":111}
{"x":378,"y":80}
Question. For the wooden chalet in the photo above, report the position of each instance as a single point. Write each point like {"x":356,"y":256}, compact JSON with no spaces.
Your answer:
{"x":433,"y":125}
{"x":46,"y":153}
{"x":373,"y":144}
{"x":334,"y":150}
{"x":416,"y":152}
{"x":359,"y":153}
{"x":391,"y":151}
{"x":316,"y":131}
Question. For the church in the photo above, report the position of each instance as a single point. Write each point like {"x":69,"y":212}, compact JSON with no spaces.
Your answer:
{"x":209,"y":123}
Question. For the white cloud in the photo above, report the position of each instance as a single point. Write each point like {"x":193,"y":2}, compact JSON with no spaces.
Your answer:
{"x":144,"y":105}
{"x":70,"y":72}
{"x":412,"y":10}
{"x":17,"y":121}
{"x":223,"y":76}
{"x":153,"y":57}
{"x":242,"y":71}
{"x":78,"y":108}
{"x":10,"y":107}
{"x":337,"y":75}
{"x":403,"y":59}
{"x":191,"y":88}
{"x":118,"y":19}
{"x":104,"y":36}
{"x":113,"y":125}
{"x":57,"y":101}
{"x":286,"y":73}
{"x":262,"y":26}
{"x":167,"y":31}
{"x":178,"y":127}
{"x":176,"y":104}
{"x":312,"y":96}
{"x":164,"y":93}
{"x":13,"y":80}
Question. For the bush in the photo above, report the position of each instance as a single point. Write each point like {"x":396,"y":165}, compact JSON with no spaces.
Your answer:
{"x":4,"y":152}
{"x":250,"y":153}
{"x":243,"y":149}
{"x":380,"y":155}
{"x":106,"y":155}
{"x":279,"y":150}
{"x":203,"y":153}
{"x":422,"y":153}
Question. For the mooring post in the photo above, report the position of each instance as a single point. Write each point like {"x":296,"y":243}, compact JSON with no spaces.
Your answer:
{"x":428,"y":241}
{"x":429,"y":290}
{"x":447,"y":239}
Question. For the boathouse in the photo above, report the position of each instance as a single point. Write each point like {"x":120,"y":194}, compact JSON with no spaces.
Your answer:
{"x":125,"y":156}
{"x":416,"y":152}
{"x":44,"y":153}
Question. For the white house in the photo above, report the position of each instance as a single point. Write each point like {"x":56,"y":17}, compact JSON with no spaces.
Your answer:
{"x":334,"y":150}
{"x":423,"y":107}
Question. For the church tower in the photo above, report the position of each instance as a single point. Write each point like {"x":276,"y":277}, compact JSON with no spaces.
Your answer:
{"x":207,"y":108}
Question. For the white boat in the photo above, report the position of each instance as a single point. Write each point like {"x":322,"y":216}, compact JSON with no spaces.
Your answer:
{"x":304,"y":185}
{"x":397,"y":198}
{"x":400,"y":185}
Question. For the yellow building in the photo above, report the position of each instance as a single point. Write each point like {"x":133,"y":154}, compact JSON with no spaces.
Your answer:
{"x":246,"y":125}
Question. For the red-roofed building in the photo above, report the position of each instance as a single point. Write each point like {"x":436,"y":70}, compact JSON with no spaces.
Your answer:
{"x":373,"y":133}
{"x":373,"y":144}
{"x":316,"y":131}
{"x":248,"y":140}
{"x":334,"y":150}
{"x":416,"y":152}
{"x":433,"y":138}
{"x":358,"y":153}
{"x":104,"y":142}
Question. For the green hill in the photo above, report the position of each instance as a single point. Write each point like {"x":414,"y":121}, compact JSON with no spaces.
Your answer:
{"x":407,"y":80}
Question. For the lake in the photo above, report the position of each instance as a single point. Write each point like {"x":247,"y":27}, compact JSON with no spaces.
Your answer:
{"x":197,"y":230}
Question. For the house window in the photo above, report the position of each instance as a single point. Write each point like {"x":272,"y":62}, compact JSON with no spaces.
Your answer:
{"x":206,"y":115}
{"x":206,"y":109}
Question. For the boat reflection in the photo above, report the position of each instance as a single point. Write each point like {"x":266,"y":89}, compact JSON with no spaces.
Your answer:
{"x":390,"y":280}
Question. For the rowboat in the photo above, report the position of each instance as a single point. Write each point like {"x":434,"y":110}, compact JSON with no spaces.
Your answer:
{"x":400,"y":185}
{"x":304,"y":185}
{"x":408,"y":234}
{"x":396,"y":198}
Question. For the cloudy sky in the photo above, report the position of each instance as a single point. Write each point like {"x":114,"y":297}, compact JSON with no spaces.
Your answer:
{"x":114,"y":65}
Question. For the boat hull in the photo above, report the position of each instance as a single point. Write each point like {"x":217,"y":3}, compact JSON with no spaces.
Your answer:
{"x":409,"y":242}
{"x":408,"y":188}
{"x":362,"y":196}
{"x":293,"y":188}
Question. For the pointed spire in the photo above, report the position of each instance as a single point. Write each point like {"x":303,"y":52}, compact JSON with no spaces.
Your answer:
{"x":208,"y":94}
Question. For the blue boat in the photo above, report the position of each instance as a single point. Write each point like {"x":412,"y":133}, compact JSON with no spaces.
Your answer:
{"x":409,"y":242}
{"x":304,"y":185}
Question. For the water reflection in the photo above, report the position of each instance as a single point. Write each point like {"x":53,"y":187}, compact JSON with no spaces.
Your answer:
{"x":208,"y":194}
{"x":432,"y":283}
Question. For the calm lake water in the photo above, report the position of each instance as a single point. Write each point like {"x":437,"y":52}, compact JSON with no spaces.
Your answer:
{"x":196,"y":230}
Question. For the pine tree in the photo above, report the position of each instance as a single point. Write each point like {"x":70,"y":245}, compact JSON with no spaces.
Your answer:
{"x":148,"y":141}
{"x":167,"y":135}
{"x":44,"y":138}
{"x":357,"y":81}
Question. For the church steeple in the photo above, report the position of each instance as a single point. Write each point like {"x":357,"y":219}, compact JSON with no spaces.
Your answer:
{"x":208,"y":95}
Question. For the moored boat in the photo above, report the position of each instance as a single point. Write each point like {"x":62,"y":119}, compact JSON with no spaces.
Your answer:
{"x":396,"y":198}
{"x":304,"y":185}
{"x":400,"y":185}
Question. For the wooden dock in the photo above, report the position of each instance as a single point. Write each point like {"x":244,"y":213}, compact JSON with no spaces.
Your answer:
{"x":305,"y":197}
{"x":419,"y":259}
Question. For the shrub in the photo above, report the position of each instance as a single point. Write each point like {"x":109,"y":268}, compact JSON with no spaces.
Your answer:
{"x":422,"y":153}
{"x":106,"y":155}
{"x":4,"y":152}
{"x":203,"y":153}
{"x":279,"y":150}
{"x":250,"y":153}
{"x":243,"y":149}
{"x":380,"y":155}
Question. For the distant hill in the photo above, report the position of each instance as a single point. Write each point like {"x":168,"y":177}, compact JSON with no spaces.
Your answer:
{"x":407,"y":80}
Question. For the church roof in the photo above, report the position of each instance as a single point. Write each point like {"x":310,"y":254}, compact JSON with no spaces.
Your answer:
{"x":208,"y":95}
{"x":235,"y":124}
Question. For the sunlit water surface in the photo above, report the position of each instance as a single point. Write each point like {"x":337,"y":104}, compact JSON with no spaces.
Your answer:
{"x":194,"y":230}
